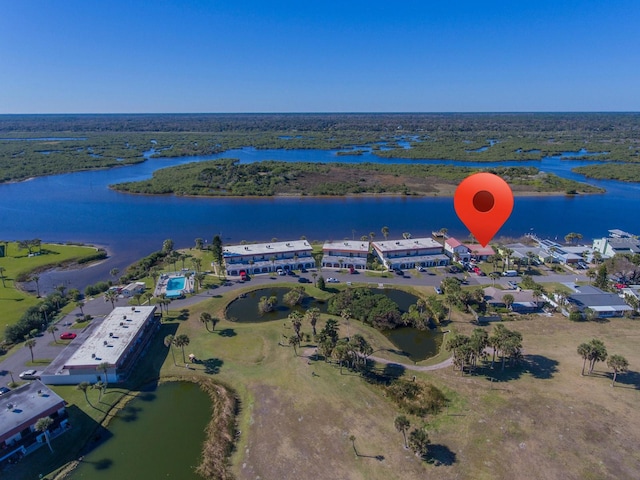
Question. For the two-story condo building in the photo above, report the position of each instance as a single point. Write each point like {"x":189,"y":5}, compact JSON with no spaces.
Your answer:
{"x":116,"y":343}
{"x":20,"y":410}
{"x":268,"y":257}
{"x":410,"y":253}
{"x":456,"y":250}
{"x":345,"y":254}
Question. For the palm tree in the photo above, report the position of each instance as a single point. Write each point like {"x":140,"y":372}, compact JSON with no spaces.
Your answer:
{"x":494,"y":276}
{"x":52,"y":329}
{"x":111,"y":296}
{"x":2,"y":270}
{"x":36,"y":279}
{"x":294,"y":341}
{"x":168,"y":342}
{"x":419,"y":442}
{"x":584,"y":350}
{"x":181,"y":341}
{"x":84,"y":386}
{"x":103,"y":367}
{"x":43,"y":425}
{"x":205,"y":317}
{"x":296,"y":322}
{"x":80,"y":305}
{"x":101,"y":387}
{"x":30,"y":343}
{"x":385,"y":232}
{"x":508,"y":300}
{"x":312,"y":315}
{"x":406,"y":235}
{"x":214,"y":321}
{"x":598,"y":353}
{"x":402,"y":424}
{"x":197,"y":263}
{"x":618,"y":364}
{"x":44,"y":308}
{"x":167,"y":245}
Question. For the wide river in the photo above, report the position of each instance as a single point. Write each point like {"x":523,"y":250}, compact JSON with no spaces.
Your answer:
{"x":80,"y":207}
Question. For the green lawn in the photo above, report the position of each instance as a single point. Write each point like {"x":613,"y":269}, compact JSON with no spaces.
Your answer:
{"x":17,"y":262}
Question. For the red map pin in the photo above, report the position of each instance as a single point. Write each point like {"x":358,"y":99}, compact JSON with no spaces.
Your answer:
{"x":483,"y":202}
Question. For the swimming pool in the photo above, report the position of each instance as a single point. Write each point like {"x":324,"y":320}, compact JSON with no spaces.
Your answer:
{"x":175,"y":287}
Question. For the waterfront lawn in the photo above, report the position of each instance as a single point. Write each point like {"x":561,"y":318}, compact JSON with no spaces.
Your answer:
{"x":17,"y":263}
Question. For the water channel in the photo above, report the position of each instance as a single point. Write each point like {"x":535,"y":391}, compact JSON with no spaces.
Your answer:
{"x":80,"y":207}
{"x":158,"y":435}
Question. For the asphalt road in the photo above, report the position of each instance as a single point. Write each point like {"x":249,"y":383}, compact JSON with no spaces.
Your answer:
{"x":47,"y":348}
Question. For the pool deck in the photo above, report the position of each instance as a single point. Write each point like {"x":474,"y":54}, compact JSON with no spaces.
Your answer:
{"x":161,"y":286}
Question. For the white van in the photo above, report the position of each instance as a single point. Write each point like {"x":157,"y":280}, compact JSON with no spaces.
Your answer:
{"x":510,"y":273}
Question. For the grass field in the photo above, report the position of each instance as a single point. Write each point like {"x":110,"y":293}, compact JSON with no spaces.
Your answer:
{"x":297,"y":414}
{"x":16,"y":262}
{"x":539,"y":420}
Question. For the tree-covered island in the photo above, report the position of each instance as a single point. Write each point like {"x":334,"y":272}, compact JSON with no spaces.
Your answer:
{"x":228,"y":177}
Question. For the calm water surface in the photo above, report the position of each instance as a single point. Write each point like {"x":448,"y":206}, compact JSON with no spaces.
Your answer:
{"x":80,"y":207}
{"x":159,"y":435}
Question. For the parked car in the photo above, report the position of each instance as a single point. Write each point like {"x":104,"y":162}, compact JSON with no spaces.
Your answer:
{"x":398,"y":271}
{"x":243,"y":276}
{"x":4,"y":390}
{"x":68,"y":336}
{"x":291,"y":273}
{"x":352,"y":270}
{"x":454,"y":269}
{"x":419,"y":268}
{"x":438,"y":290}
{"x":332,"y":280}
{"x":304,"y":280}
{"x":281,"y":272}
{"x":29,"y":375}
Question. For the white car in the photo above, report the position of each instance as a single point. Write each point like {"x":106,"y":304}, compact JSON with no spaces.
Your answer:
{"x":332,"y":280}
{"x":29,"y":375}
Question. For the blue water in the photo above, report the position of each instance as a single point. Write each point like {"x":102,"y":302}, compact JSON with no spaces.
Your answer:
{"x":80,"y":207}
{"x":175,"y":283}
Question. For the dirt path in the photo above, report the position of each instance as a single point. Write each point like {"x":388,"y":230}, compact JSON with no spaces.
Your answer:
{"x":310,"y":352}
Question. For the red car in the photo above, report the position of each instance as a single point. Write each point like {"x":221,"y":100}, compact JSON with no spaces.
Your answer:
{"x":68,"y":336}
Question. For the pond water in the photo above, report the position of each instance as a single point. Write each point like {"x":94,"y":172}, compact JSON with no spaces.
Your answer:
{"x":416,"y":344}
{"x":152,"y":437}
{"x":245,"y":309}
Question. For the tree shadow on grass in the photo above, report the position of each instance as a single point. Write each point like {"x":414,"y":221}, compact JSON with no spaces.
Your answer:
{"x":440,"y":455}
{"x":540,"y":366}
{"x":537,"y":366}
{"x":211,"y":365}
{"x":184,"y":314}
{"x":227,"y":332}
{"x":630,"y":380}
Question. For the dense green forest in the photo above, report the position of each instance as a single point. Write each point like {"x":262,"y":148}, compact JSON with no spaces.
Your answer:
{"x":227,"y":177}
{"x":32,"y":145}
{"x":624,"y":172}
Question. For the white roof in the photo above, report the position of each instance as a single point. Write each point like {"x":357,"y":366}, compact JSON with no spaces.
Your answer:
{"x":408,"y":244}
{"x":26,"y":405}
{"x":347,"y":246}
{"x":271,"y":248}
{"x":123,"y":323}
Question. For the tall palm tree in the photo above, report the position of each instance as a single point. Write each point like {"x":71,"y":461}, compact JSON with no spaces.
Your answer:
{"x":80,"y":305}
{"x":83,"y":387}
{"x":312,"y":315}
{"x":385,"y":232}
{"x":114,"y":273}
{"x":111,"y":296}
{"x":182,"y":341}
{"x":205,"y":317}
{"x":402,"y":424}
{"x":30,"y":344}
{"x":214,"y":322}
{"x":52,"y":330}
{"x":103,"y":367}
{"x":584,"y":350}
{"x":43,"y":425}
{"x":36,"y":279}
{"x":294,"y":341}
{"x":101,"y":387}
{"x":168,"y":342}
{"x":618,"y":364}
{"x":197,"y":263}
{"x":296,"y":322}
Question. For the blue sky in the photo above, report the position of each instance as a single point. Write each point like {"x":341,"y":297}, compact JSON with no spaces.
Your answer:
{"x":81,"y":56}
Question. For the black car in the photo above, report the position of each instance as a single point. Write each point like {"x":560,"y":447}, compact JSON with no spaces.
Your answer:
{"x":4,"y":390}
{"x":304,"y":280}
{"x":454,"y":269}
{"x":399,"y":272}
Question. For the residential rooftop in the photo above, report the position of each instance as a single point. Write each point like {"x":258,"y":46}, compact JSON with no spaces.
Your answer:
{"x":271,"y":248}
{"x":24,"y":403}
{"x":111,"y":338}
{"x":406,"y":244}
{"x":347,"y":246}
